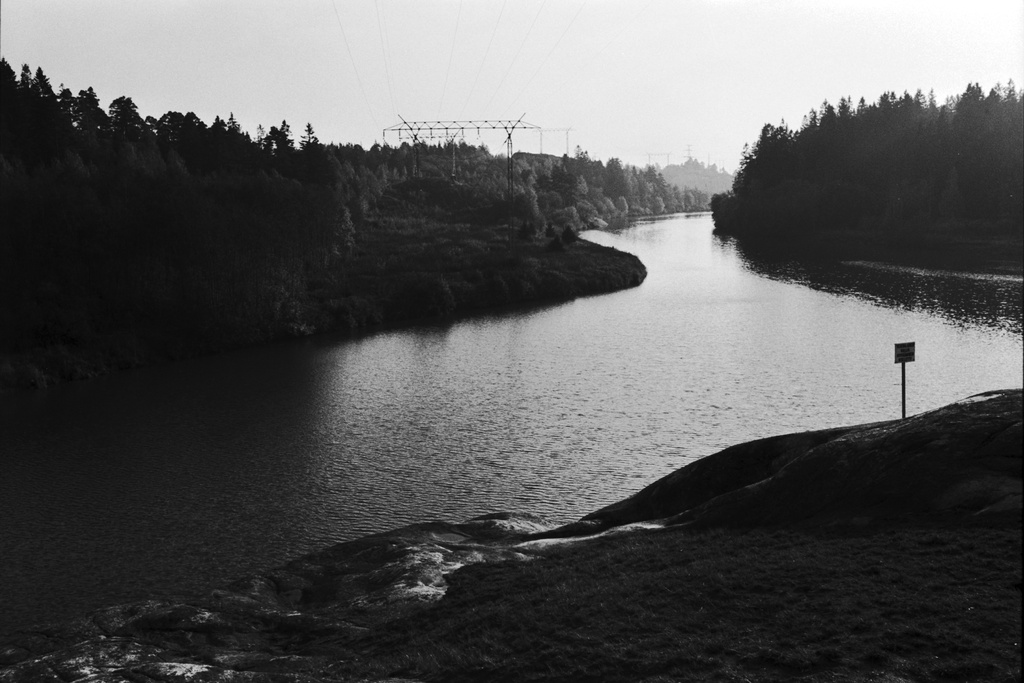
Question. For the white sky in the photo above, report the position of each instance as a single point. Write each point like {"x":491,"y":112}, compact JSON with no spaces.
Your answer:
{"x":630,"y":77}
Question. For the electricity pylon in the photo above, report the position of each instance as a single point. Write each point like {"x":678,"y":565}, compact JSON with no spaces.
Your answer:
{"x":450,"y":130}
{"x":667,"y":155}
{"x":541,"y":131}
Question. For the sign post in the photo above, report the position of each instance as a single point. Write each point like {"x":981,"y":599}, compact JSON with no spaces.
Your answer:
{"x":904,"y":355}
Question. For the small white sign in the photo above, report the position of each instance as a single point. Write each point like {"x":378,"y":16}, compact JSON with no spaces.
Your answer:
{"x":905,"y":352}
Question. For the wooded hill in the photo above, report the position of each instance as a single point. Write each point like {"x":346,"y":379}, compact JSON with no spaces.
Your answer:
{"x":903,"y":166}
{"x":143,"y":238}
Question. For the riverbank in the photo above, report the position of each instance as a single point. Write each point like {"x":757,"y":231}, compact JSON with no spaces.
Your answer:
{"x":401,"y":271}
{"x":885,"y":551}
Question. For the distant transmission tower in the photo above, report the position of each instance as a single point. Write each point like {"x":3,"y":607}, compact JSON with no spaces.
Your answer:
{"x":667,"y":155}
{"x":451,"y":130}
{"x":541,"y":132}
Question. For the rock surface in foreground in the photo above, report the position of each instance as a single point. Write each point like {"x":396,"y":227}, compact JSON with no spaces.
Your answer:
{"x":276,"y":626}
{"x":961,"y":458}
{"x":299,"y":622}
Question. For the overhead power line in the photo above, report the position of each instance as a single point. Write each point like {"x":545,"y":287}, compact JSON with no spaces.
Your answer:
{"x":351,"y":59}
{"x":451,"y":55}
{"x":484,"y":60}
{"x":516,"y":56}
{"x":573,"y":80}
{"x":421,"y":131}
{"x":384,"y":52}
{"x":550,"y":52}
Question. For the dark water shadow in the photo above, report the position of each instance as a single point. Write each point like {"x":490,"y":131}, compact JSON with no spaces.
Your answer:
{"x":963,"y":297}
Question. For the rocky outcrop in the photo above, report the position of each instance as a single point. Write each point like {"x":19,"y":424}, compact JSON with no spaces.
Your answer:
{"x":301,"y":622}
{"x":291,"y":624}
{"x":964,"y":458}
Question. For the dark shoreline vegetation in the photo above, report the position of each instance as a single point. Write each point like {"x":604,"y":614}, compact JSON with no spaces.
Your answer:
{"x":127,"y":241}
{"x":392,"y":278}
{"x":888,"y":551}
{"x":903,"y":179}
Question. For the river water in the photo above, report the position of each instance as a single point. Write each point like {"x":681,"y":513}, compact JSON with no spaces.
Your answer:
{"x":174,"y":479}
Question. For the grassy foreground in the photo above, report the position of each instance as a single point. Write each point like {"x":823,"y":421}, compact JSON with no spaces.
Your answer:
{"x":925,"y":602}
{"x":932,"y":600}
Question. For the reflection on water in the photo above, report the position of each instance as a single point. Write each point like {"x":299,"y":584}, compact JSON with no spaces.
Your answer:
{"x":173,"y":479}
{"x":963,"y":298}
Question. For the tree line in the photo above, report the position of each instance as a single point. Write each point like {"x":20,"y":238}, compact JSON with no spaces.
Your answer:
{"x":126,"y":233}
{"x":903,"y":165}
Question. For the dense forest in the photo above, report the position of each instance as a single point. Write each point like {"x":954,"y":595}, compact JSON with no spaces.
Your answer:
{"x":903,"y":169}
{"x":125,"y":240}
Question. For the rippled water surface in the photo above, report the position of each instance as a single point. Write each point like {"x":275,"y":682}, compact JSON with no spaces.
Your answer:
{"x":173,"y":479}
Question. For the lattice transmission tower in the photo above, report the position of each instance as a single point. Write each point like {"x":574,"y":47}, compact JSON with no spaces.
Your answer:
{"x":653,"y":155}
{"x":541,"y":131}
{"x":418,"y":131}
